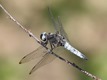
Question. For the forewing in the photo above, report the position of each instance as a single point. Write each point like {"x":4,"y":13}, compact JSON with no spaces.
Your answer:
{"x":47,"y":58}
{"x":61,"y":29}
{"x":40,"y":51}
{"x":58,"y":25}
{"x":53,"y":20}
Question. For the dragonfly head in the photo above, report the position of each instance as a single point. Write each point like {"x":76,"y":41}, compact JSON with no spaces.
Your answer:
{"x":43,"y":36}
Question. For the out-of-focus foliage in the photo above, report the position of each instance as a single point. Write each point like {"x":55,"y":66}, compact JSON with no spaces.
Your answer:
{"x":85,"y":22}
{"x":9,"y":70}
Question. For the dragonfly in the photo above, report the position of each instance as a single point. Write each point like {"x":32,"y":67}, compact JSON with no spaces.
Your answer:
{"x":54,"y":40}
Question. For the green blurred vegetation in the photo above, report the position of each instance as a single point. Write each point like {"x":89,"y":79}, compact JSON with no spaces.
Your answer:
{"x":84,"y":21}
{"x":9,"y":70}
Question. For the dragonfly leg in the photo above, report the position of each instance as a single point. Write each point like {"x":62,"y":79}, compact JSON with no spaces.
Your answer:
{"x":52,"y":46}
{"x":44,"y":43}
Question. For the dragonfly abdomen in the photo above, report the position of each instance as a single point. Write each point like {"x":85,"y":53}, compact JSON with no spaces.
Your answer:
{"x":74,"y":51}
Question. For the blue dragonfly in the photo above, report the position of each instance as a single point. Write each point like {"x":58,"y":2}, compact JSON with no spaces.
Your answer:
{"x":54,"y":40}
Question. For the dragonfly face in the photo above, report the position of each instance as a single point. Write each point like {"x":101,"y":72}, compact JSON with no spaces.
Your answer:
{"x":43,"y":36}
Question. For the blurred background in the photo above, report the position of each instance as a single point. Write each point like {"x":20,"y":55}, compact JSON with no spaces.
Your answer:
{"x":85,"y":22}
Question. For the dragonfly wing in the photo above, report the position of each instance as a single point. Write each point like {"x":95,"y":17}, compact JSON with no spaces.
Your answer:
{"x":47,"y":58}
{"x":34,"y":54}
{"x":61,"y":29}
{"x":57,"y":25}
{"x":53,"y":20}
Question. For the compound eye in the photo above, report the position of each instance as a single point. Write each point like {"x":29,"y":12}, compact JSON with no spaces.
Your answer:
{"x":43,"y":36}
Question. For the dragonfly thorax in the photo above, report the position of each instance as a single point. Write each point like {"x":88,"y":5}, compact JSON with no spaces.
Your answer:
{"x":54,"y":39}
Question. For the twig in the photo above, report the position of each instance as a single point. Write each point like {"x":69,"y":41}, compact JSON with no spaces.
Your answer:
{"x":37,"y":40}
